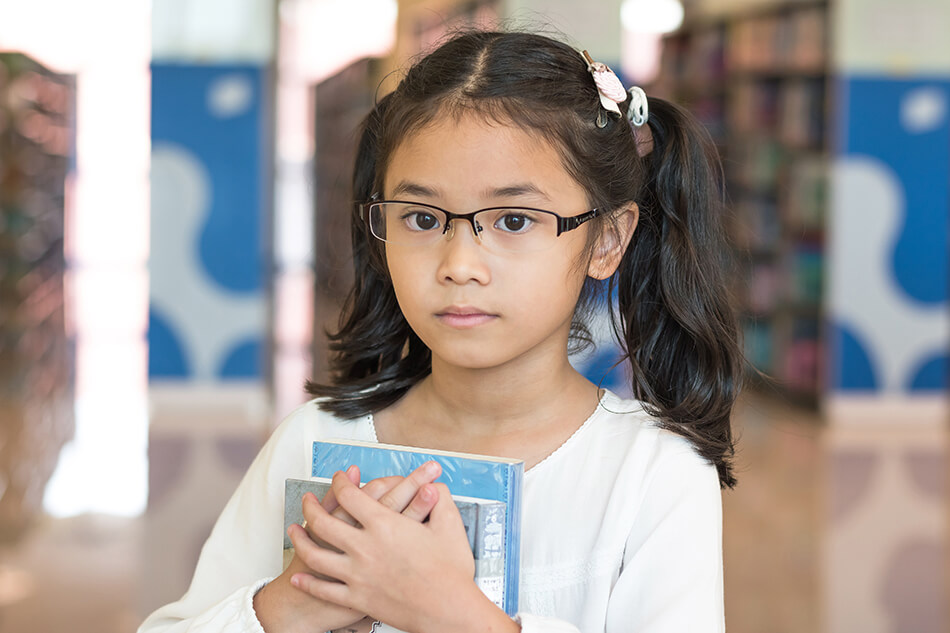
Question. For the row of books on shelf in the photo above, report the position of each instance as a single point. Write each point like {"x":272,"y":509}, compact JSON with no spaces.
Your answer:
{"x":782,"y":194}
{"x":790,"y":111}
{"x":694,"y":59}
{"x":754,"y":163}
{"x":789,"y":353}
{"x":790,"y":283}
{"x":789,"y":114}
{"x":756,"y":229}
{"x":792,"y":40}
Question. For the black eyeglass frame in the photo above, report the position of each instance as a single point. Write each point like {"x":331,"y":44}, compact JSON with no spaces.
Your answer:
{"x":564,"y":224}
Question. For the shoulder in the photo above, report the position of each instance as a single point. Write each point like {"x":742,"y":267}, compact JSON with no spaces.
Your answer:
{"x":622,"y":452}
{"x":310,"y":419}
{"x":655,"y":460}
{"x":631,"y":418}
{"x":293,"y":437}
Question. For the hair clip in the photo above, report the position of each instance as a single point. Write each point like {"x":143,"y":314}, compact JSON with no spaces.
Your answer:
{"x":608,"y":86}
{"x":639,"y":110}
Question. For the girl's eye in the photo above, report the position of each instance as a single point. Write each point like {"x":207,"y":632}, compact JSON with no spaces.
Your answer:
{"x":513,"y":223}
{"x":421,"y":221}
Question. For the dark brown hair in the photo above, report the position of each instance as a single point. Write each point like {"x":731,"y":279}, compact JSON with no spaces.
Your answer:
{"x":673,"y":316}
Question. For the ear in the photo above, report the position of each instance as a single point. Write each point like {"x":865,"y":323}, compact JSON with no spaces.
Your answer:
{"x":613,"y":242}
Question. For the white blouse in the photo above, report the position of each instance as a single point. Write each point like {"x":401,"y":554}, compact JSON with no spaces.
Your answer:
{"x":621,"y":531}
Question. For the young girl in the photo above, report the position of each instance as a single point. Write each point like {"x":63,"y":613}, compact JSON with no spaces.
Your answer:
{"x":496,"y":187}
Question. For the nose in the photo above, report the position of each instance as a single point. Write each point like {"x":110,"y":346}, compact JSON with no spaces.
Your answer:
{"x":462,"y":257}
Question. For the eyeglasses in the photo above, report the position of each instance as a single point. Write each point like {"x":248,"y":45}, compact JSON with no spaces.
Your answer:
{"x":513,"y":229}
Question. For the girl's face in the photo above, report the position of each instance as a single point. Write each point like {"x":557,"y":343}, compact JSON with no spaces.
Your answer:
{"x":474,"y":307}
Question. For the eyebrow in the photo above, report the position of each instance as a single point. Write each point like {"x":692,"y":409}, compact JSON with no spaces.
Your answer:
{"x":509,"y":191}
{"x":414,"y":189}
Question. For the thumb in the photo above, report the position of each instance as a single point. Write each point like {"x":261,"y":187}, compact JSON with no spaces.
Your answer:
{"x":444,"y":515}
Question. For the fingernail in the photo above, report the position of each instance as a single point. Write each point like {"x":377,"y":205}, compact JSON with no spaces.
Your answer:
{"x":432,"y":468}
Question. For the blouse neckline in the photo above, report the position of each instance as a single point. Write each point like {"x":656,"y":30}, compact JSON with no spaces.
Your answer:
{"x":564,"y":446}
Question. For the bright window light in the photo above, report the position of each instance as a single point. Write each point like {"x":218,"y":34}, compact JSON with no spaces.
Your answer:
{"x":651,"y":16}
{"x":104,"y":468}
{"x":331,"y":34}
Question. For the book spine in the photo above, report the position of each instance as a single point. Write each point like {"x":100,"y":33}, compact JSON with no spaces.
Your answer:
{"x":469,"y":513}
{"x":514,"y":487}
{"x":490,"y":552}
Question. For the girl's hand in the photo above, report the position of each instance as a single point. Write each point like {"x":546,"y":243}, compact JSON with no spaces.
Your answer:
{"x":282,"y":608}
{"x":414,"y":576}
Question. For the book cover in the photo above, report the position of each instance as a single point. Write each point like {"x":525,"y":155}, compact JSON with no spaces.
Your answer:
{"x":484,"y":521}
{"x":466,"y":475}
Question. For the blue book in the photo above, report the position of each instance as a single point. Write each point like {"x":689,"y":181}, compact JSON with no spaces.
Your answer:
{"x":466,"y":475}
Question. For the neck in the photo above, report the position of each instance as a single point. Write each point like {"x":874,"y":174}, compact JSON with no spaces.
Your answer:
{"x":498,"y":396}
{"x":516,"y":411}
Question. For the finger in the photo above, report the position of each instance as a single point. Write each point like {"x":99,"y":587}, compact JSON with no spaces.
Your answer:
{"x":399,"y":498}
{"x":422,"y":504}
{"x":360,"y":506}
{"x":312,"y":500}
{"x":329,"y":501}
{"x":444,"y":514}
{"x":378,"y":487}
{"x":325,"y":529}
{"x":322,"y":561}
{"x":327,"y":590}
{"x":375,"y":489}
{"x":328,"y":529}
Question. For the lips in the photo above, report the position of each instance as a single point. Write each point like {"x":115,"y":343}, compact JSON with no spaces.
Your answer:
{"x":464,"y":317}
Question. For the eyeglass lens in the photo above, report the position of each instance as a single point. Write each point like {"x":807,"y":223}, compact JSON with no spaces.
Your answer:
{"x":507,"y":229}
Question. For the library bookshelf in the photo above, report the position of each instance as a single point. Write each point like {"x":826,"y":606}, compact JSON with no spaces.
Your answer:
{"x":759,"y":81}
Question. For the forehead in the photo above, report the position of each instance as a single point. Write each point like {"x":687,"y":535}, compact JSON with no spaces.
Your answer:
{"x":469,"y":155}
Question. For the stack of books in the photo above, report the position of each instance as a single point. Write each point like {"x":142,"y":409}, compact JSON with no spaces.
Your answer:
{"x":487,"y":491}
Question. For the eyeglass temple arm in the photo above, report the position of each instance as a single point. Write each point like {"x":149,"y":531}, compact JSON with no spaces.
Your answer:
{"x":365,"y":205}
{"x":571,"y":223}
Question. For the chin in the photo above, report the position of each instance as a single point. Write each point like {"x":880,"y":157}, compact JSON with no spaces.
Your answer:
{"x":483,"y":357}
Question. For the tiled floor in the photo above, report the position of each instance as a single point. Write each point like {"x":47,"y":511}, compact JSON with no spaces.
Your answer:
{"x":79,"y":575}
{"x":772,"y":521}
{"x":84,"y":575}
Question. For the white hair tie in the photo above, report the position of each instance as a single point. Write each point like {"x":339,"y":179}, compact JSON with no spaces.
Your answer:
{"x":639,"y":110}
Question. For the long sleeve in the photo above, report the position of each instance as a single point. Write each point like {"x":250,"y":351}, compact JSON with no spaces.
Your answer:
{"x":243,"y":551}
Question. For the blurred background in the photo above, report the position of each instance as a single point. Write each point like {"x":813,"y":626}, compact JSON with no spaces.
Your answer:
{"x":174,"y":240}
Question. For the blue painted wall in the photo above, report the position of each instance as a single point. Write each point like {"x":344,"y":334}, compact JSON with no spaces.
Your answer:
{"x":888,"y":326}
{"x":209,"y":219}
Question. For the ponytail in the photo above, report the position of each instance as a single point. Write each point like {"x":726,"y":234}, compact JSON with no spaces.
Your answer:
{"x":674,"y":314}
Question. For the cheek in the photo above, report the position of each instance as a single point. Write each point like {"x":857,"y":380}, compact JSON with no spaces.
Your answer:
{"x":553,"y":283}
{"x":410,"y":279}
{"x":398,"y":273}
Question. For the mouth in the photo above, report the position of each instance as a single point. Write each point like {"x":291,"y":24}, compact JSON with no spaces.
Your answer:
{"x":464,"y":317}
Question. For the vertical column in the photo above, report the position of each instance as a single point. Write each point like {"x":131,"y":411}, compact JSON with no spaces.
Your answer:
{"x":888,"y":319}
{"x":209,"y":264}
